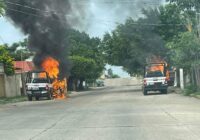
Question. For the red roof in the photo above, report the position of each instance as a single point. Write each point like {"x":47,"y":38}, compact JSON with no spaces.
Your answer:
{"x":23,"y":66}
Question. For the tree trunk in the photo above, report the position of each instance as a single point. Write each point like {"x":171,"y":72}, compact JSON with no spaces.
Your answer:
{"x":81,"y":84}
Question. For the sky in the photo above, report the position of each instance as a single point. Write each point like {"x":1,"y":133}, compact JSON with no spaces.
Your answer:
{"x":92,"y":16}
{"x":9,"y":33}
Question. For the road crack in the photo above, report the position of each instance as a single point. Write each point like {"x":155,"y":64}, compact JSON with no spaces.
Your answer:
{"x":48,"y":128}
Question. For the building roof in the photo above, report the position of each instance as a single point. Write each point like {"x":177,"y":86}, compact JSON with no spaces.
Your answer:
{"x":23,"y":66}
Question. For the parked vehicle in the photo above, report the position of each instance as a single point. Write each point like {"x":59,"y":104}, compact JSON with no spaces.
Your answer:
{"x":155,"y":78}
{"x":38,"y":84}
{"x":100,"y":83}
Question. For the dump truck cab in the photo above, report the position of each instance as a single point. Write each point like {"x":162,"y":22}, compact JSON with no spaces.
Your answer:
{"x":38,"y":84}
{"x":155,"y":78}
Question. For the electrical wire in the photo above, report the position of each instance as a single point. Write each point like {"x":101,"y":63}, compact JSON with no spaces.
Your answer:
{"x":36,"y":9}
{"x":45,"y":13}
{"x":100,"y":20}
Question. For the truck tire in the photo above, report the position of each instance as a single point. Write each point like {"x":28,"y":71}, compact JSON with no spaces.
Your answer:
{"x":145,"y":92}
{"x":50,"y":97}
{"x":30,"y":98}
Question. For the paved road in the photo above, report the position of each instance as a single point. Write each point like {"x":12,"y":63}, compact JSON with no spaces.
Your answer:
{"x":112,"y":113}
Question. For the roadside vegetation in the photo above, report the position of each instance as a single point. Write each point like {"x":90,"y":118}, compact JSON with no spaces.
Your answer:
{"x":7,"y":60}
{"x":2,"y":6}
{"x":111,"y":74}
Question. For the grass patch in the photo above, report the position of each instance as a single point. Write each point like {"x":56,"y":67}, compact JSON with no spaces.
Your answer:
{"x":191,"y":89}
{"x":4,"y":100}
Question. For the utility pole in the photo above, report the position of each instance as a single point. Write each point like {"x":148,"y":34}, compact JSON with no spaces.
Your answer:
{"x":198,"y":23}
{"x":196,"y":66}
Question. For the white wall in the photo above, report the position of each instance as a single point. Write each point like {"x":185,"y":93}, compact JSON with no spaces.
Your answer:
{"x":12,"y":85}
{"x":123,"y":81}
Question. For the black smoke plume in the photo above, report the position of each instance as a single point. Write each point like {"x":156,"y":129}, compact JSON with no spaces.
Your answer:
{"x":45,"y":24}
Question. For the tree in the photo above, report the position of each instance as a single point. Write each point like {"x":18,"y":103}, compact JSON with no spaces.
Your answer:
{"x":172,"y":20}
{"x":19,"y":50}
{"x":83,"y":68}
{"x":7,"y":60}
{"x":2,"y":6}
{"x":186,"y":50}
{"x":84,"y":46}
{"x":111,"y":74}
{"x":127,"y":45}
{"x":188,"y":9}
{"x":86,"y":55}
{"x":189,"y":5}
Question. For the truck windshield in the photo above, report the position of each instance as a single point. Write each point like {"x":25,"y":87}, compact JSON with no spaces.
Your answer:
{"x":154,"y":74}
{"x":39,"y":80}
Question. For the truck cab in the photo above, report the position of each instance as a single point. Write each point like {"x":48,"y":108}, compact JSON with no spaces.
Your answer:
{"x":155,"y":78}
{"x":38,"y":84}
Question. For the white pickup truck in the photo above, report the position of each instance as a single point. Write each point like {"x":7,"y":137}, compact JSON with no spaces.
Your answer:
{"x":155,"y":80}
{"x":38,"y":84}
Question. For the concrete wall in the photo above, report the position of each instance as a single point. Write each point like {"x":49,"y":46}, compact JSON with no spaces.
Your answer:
{"x":2,"y":86}
{"x":123,"y":81}
{"x":12,"y":85}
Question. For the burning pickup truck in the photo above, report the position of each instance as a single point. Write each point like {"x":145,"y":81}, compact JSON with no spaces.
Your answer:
{"x":38,"y":84}
{"x":155,"y":78}
{"x":46,"y":83}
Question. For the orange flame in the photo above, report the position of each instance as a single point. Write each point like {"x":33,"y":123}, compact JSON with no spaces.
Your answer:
{"x":42,"y":75}
{"x":157,"y":68}
{"x":51,"y":66}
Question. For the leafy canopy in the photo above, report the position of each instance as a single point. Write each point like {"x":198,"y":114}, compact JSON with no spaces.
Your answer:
{"x":2,"y":6}
{"x":19,"y":51}
{"x":130,"y":44}
{"x":7,"y":60}
{"x":86,"y":55}
{"x":186,"y":50}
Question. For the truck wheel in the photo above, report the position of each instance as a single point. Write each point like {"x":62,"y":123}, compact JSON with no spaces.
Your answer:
{"x":37,"y":98}
{"x":30,"y":98}
{"x":145,"y":92}
{"x":50,"y":97}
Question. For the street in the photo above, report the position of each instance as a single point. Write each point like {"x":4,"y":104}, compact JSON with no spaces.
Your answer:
{"x":108,"y":113}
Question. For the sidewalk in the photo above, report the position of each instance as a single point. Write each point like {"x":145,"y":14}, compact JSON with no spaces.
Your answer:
{"x":175,"y":90}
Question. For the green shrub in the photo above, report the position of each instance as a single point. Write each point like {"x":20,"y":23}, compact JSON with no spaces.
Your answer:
{"x":190,"y":89}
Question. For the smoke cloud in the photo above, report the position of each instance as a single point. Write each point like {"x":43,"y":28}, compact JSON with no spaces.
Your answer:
{"x":99,"y":16}
{"x":45,"y":24}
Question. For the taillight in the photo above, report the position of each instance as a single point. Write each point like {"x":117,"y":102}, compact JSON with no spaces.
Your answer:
{"x":47,"y":87}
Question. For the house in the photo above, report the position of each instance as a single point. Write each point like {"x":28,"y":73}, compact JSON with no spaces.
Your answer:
{"x":23,"y":66}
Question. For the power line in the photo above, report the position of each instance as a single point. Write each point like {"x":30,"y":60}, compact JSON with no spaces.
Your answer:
{"x":89,"y":3}
{"x":23,"y":12}
{"x":46,"y":11}
{"x":100,"y":20}
{"x":26,"y":6}
{"x":74,"y":2}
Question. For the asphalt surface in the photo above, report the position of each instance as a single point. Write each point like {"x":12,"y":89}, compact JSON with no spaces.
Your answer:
{"x":110,"y":113}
